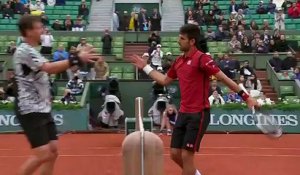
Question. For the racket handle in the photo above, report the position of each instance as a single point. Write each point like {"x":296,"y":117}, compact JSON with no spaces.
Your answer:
{"x":253,"y":110}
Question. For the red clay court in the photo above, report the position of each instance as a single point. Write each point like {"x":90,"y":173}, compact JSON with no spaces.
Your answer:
{"x":221,"y":154}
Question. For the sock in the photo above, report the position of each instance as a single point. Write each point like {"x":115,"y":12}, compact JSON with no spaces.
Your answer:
{"x":197,"y":173}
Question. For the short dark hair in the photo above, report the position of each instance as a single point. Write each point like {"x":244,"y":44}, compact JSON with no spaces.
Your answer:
{"x":27,"y":22}
{"x":193,"y":32}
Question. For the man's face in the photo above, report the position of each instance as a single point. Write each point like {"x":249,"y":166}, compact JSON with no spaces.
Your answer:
{"x":83,"y":41}
{"x":184,"y":43}
{"x":36,"y":31}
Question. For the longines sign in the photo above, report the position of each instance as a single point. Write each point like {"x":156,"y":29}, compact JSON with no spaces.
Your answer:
{"x":239,"y":120}
{"x":65,"y":120}
{"x":220,"y":120}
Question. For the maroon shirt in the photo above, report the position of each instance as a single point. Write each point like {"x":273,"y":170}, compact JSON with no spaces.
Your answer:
{"x":193,"y":74}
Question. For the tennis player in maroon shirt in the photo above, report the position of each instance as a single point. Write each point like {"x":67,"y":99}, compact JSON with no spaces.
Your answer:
{"x":193,"y":70}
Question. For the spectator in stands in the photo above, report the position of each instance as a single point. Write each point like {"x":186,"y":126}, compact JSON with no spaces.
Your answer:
{"x":220,"y":34}
{"x":18,"y":9}
{"x":266,"y":37}
{"x":60,"y":54}
{"x":7,"y":12}
{"x":154,"y":37}
{"x":197,"y":4}
{"x":253,"y":26}
{"x":261,"y":47}
{"x":255,"y":83}
{"x":107,"y":43}
{"x":44,"y":19}
{"x":282,"y":45}
{"x":200,"y":17}
{"x":214,"y":87}
{"x":266,"y":25}
{"x":240,"y":34}
{"x":57,"y":25}
{"x":272,"y":46}
{"x":297,"y":73}
{"x":68,"y":23}
{"x":124,"y":22}
{"x":246,"y":70}
{"x":155,"y":20}
{"x":261,"y":9}
{"x":240,"y":15}
{"x":294,"y":11}
{"x":228,"y":66}
{"x":116,"y":21}
{"x":190,"y":17}
{"x":169,"y":118}
{"x":233,"y":7}
{"x":209,"y":18}
{"x":284,"y":75}
{"x":290,"y":62}
{"x":47,"y":41}
{"x":156,"y":57}
{"x":8,"y":88}
{"x":276,"y":35}
{"x":72,"y":70}
{"x":143,"y":20}
{"x":216,"y":99}
{"x":271,"y":7}
{"x":279,"y":20}
{"x":83,"y":43}
{"x":101,"y":69}
{"x":285,"y":5}
{"x":26,"y":9}
{"x":242,"y":84}
{"x":75,"y":86}
{"x":234,"y":45}
{"x":216,"y":10}
{"x":244,"y":24}
{"x":79,"y":25}
{"x":210,"y":35}
{"x":83,"y":10}
{"x":246,"y":46}
{"x":255,"y":41}
{"x":220,"y":20}
{"x":276,"y":62}
{"x":133,"y":24}
{"x":167,"y":62}
{"x":232,"y":97}
{"x":38,"y":6}
{"x":244,"y":6}
{"x":11,"y":48}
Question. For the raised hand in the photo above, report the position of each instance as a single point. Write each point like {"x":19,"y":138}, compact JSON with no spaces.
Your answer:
{"x":138,"y":61}
{"x":89,"y":55}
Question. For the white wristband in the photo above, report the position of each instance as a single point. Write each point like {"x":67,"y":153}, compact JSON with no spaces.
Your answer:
{"x":147,"y":69}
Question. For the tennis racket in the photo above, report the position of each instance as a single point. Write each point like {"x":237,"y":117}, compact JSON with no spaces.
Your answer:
{"x":266,"y":124}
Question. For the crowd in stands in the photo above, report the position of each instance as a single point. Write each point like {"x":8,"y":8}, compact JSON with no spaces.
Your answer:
{"x":286,"y":69}
{"x":137,"y":21}
{"x":16,"y":7}
{"x":234,"y":28}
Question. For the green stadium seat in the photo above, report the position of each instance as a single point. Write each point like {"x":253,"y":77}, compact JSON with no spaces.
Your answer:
{"x":166,"y":49}
{"x":286,"y":91}
{"x":12,"y":38}
{"x":212,"y":44}
{"x":128,"y":76}
{"x":291,"y":26}
{"x":119,"y":55}
{"x":165,"y":39}
{"x":97,"y":44}
{"x":116,"y":68}
{"x":118,"y":39}
{"x":176,"y":51}
{"x":174,"y":44}
{"x":89,"y":39}
{"x":11,"y":27}
{"x":128,"y":68}
{"x":173,"y":39}
{"x":116,"y":75}
{"x":4,"y":21}
{"x":74,"y":39}
{"x":98,"y":50}
{"x":214,"y":49}
{"x":118,"y":44}
{"x":117,"y":50}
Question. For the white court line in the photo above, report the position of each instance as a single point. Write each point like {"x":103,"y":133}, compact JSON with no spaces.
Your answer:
{"x":119,"y":155}
{"x":114,"y":147}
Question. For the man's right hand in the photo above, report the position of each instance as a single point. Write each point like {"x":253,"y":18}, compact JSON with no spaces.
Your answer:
{"x":88,"y":55}
{"x":138,"y":61}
